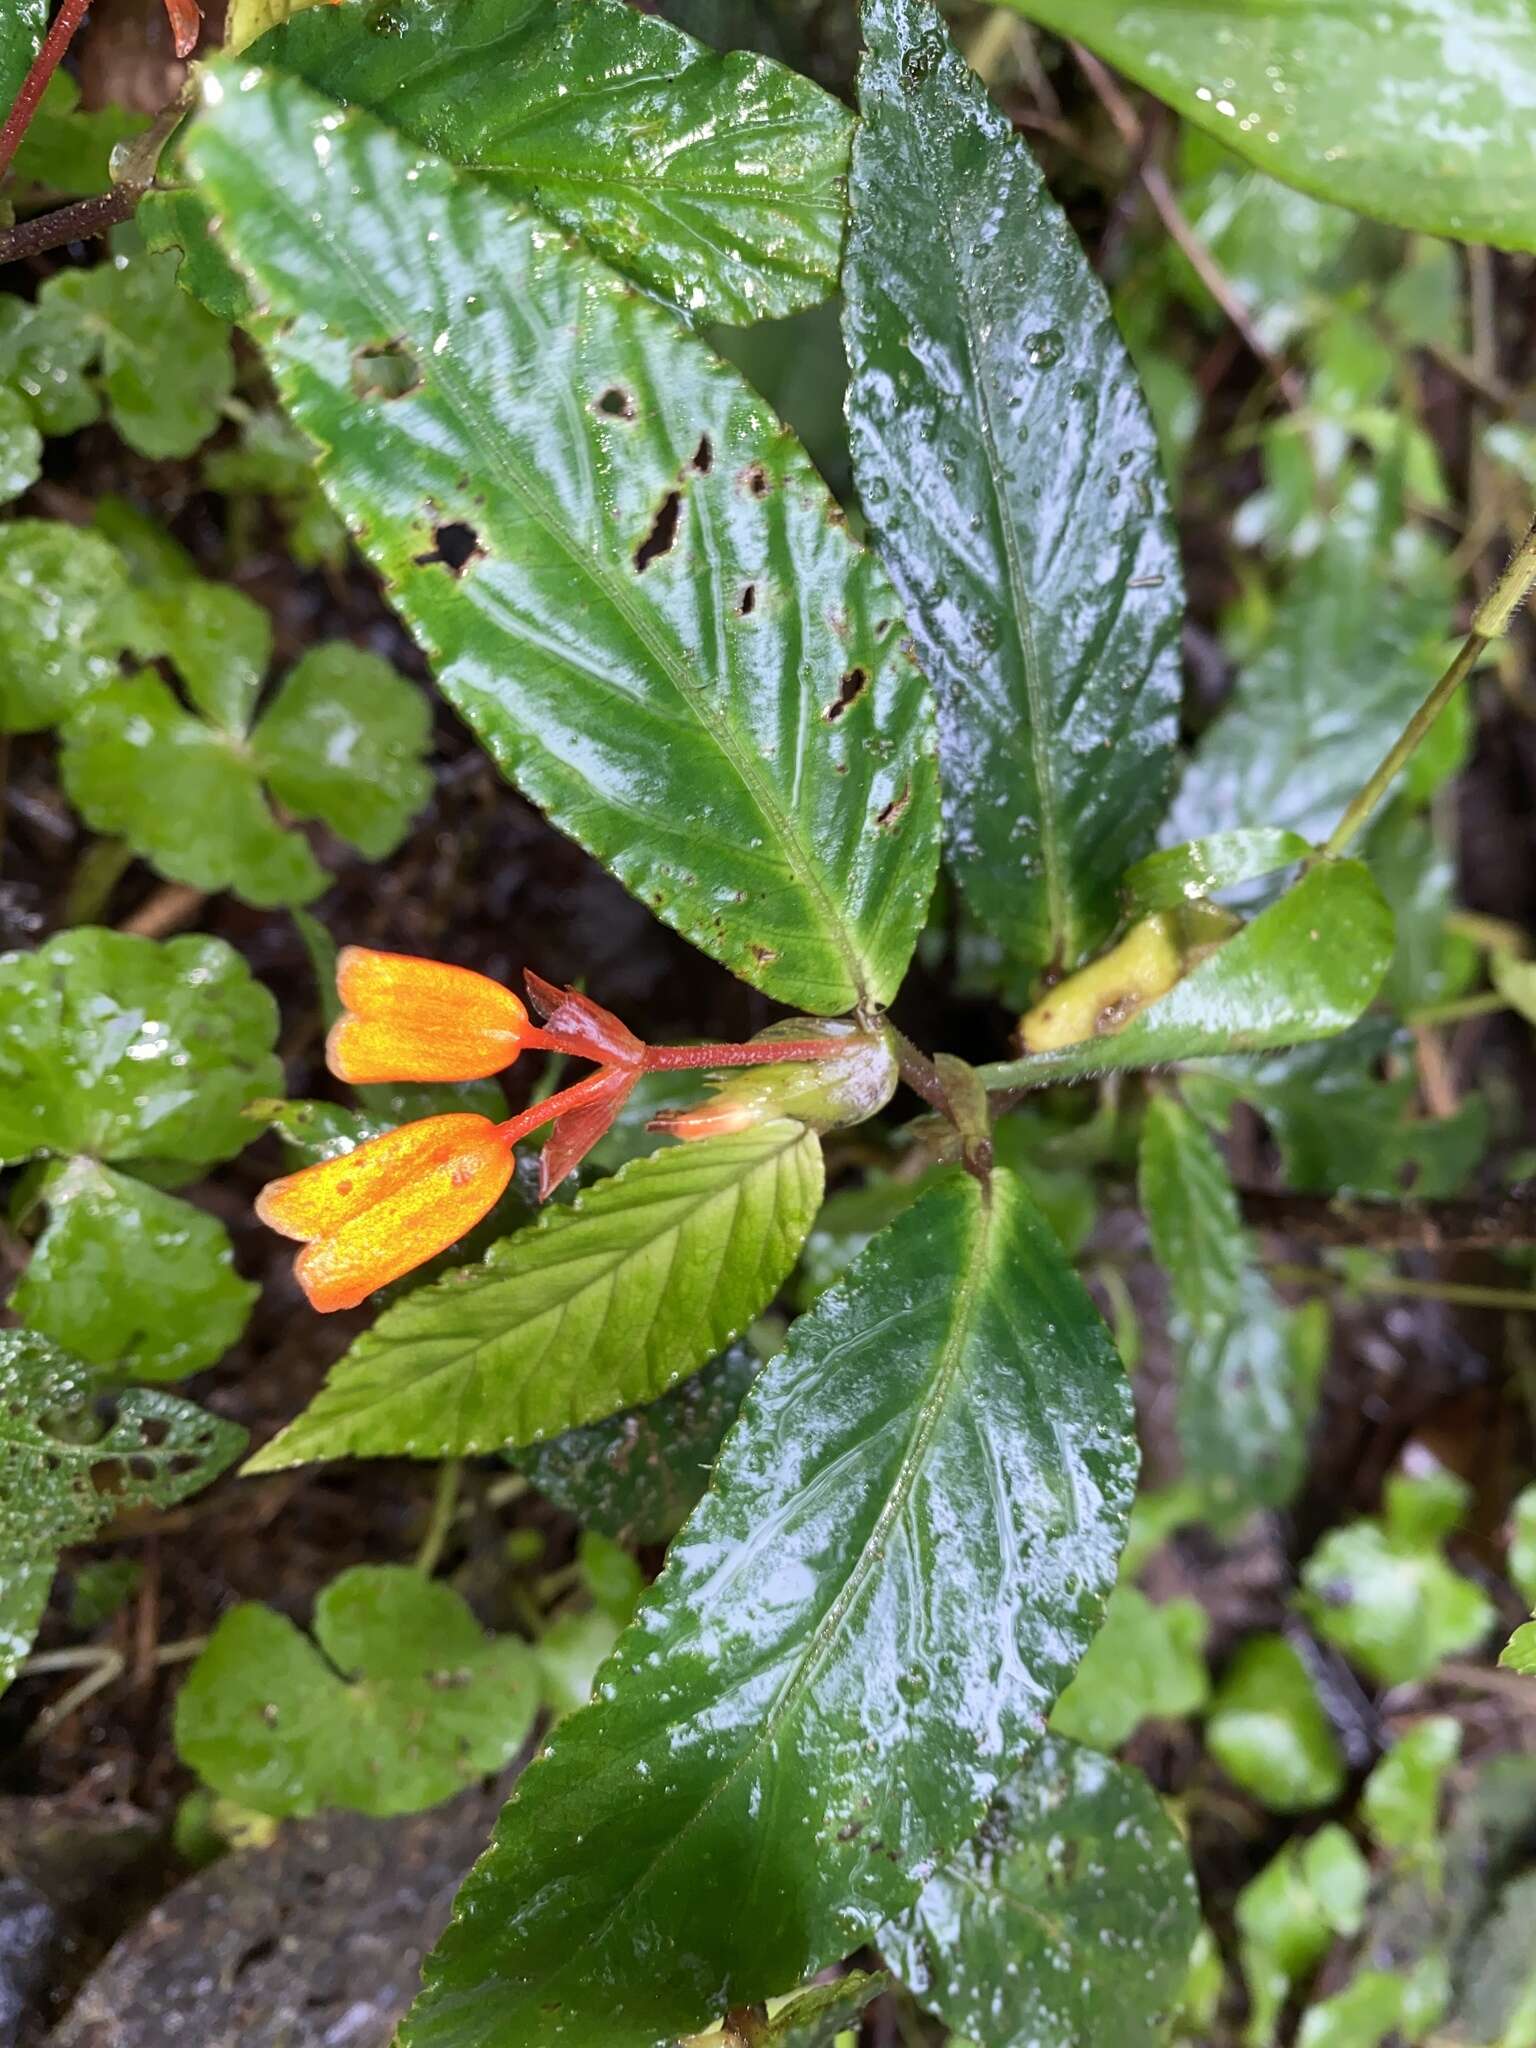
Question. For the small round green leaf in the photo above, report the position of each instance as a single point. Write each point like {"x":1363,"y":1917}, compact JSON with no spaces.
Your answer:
{"x":61,"y":594}
{"x":1146,"y":1663}
{"x":1069,"y":1917}
{"x":21,"y":445}
{"x":1268,"y":1731}
{"x":400,"y":1701}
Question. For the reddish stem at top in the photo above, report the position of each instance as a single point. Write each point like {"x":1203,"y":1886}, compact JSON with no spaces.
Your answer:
{"x":55,"y":43}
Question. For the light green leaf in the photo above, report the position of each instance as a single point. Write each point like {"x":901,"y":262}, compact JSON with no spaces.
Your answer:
{"x":1069,"y":1917}
{"x":71,"y":1459}
{"x":1414,"y":111}
{"x":1417,"y":875}
{"x":140,"y":324}
{"x":21,"y":445}
{"x":217,"y":639}
{"x":68,"y":152}
{"x":128,"y":1277}
{"x":1383,"y":1591}
{"x":819,"y":2016}
{"x":344,"y":743}
{"x":400,"y":1701}
{"x":1357,"y":642}
{"x":1248,"y":1367}
{"x":1304,"y":968}
{"x":1010,"y":470}
{"x":44,"y":354}
{"x":1279,"y":251}
{"x":1519,"y":1653}
{"x":1401,"y":1800}
{"x":178,"y":221}
{"x":1268,"y":1731}
{"x":1183,"y":874}
{"x":666,"y":637}
{"x":61,"y":597}
{"x":1289,"y":1915}
{"x":273,"y":461}
{"x":1522,"y":1544}
{"x":903,"y":1554}
{"x":1374,"y":2005}
{"x":126,"y":1049}
{"x":1146,"y":1663}
{"x":248,"y":19}
{"x":596,"y":1307}
{"x":716,"y":181}
{"x":636,"y":1475}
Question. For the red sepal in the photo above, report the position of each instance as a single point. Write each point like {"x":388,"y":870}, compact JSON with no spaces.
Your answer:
{"x":578,"y":1130}
{"x":584,"y":1028}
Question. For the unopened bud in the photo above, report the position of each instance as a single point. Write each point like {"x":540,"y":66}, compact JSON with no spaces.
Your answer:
{"x":854,"y":1082}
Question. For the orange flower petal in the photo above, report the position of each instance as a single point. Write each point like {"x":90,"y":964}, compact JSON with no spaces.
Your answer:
{"x":391,"y":1205}
{"x":418,"y":1020}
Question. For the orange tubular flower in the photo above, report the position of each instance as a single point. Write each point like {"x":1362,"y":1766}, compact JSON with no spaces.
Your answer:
{"x":417,"y":1020}
{"x":375,"y":1213}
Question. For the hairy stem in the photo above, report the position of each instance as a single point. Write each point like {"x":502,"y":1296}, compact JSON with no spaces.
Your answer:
{"x":761,"y":1053}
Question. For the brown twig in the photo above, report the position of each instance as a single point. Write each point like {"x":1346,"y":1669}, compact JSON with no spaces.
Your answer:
{"x":1154,"y":180}
{"x":168,"y":910}
{"x":35,"y":84}
{"x":1395,"y":1226}
{"x":78,"y":223}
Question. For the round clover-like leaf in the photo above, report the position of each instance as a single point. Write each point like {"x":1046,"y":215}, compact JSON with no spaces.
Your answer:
{"x":21,"y":445}
{"x":61,"y":627}
{"x":1268,"y":1730}
{"x":400,"y":1700}
{"x":128,"y":1277}
{"x":1068,"y":1918}
{"x":1147,"y":1662}
{"x":122,"y":1049}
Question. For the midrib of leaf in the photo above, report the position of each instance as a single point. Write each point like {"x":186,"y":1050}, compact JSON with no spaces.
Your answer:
{"x":824,"y":1635}
{"x":798,"y":858}
{"x":581,"y":1274}
{"x":1021,"y":614}
{"x":1026,"y":1909}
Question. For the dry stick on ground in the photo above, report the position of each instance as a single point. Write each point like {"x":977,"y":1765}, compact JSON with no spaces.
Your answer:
{"x":170,"y":909}
{"x":1155,"y":183}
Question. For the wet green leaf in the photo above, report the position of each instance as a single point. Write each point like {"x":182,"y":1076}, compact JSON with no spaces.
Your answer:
{"x":1248,"y":1367}
{"x":24,"y":1585}
{"x":1069,"y":1917}
{"x":1376,"y":2005}
{"x":342,"y":742}
{"x":126,"y":1049}
{"x":61,"y":598}
{"x":21,"y":445}
{"x":273,"y":461}
{"x":140,"y":323}
{"x":44,"y":355}
{"x":1146,"y":1663}
{"x":69,"y":152}
{"x":101,"y":1589}
{"x":716,"y":181}
{"x":817,"y":2017}
{"x":1519,"y":1653}
{"x":845,"y":1223}
{"x":72,"y":1457}
{"x":218,"y":640}
{"x":904,"y":1552}
{"x":248,"y":19}
{"x":1357,"y":642}
{"x":1305,"y":968}
{"x":592,"y":1309}
{"x":21,"y":34}
{"x":1183,"y":874}
{"x":1268,"y":1731}
{"x":636,"y":1475}
{"x":1341,"y":1127}
{"x":178,"y":221}
{"x":1414,"y":112}
{"x":1417,"y":875}
{"x":128,"y":1277}
{"x":1522,"y":1544}
{"x":1401,"y":1800}
{"x":1289,"y":1915}
{"x":570,"y":1653}
{"x":400,"y":1701}
{"x":1009,"y":467}
{"x":1382,"y":1589}
{"x":665,"y":625}
{"x":1279,"y":250}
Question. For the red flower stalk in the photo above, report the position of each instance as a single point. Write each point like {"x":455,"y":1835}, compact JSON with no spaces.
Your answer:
{"x":375,"y":1213}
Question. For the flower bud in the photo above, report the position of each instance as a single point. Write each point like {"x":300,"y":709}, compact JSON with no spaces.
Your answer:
{"x":854,"y":1082}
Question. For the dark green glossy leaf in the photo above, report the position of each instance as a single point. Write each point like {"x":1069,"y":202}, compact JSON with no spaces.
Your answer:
{"x":177,"y":220}
{"x":1382,"y":1588}
{"x":342,"y":741}
{"x":1341,"y":1125}
{"x":139,"y":323}
{"x":593,"y":1309}
{"x":1008,"y":464}
{"x":1268,"y":1731}
{"x":126,"y":1049}
{"x":21,"y":34}
{"x":1357,"y":642}
{"x":667,"y":638}
{"x":1068,"y":1919}
{"x":128,"y":1277}
{"x":400,"y":1701}
{"x":636,"y":1475}
{"x":716,"y":181}
{"x":62,"y":594}
{"x":905,"y":1550}
{"x":1305,"y":968}
{"x":1146,"y":1663}
{"x":71,"y":1458}
{"x":1415,"y":110}
{"x":1248,"y":1367}
{"x":1202,"y":867}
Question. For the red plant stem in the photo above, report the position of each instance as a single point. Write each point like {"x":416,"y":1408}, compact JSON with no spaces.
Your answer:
{"x":762,"y":1053}
{"x":55,"y":43}
{"x":65,"y":224}
{"x":537,"y":1114}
